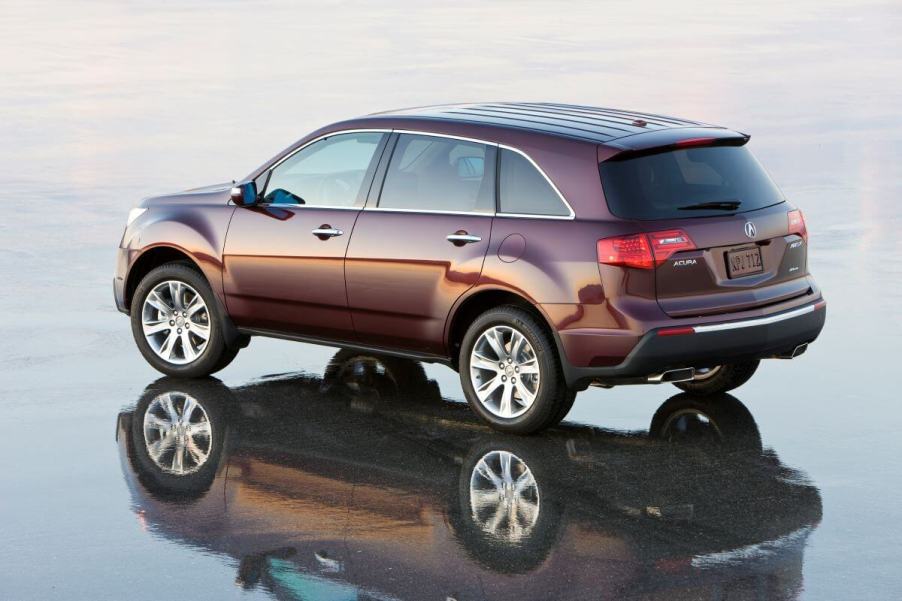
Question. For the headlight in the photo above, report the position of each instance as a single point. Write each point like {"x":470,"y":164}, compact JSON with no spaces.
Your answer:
{"x":134,"y":214}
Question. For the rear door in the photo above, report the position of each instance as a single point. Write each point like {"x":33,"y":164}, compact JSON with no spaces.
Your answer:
{"x":719,"y":227}
{"x":284,"y":258}
{"x":421,"y":241}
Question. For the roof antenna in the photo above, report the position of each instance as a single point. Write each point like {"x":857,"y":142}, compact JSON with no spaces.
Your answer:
{"x":640,"y":123}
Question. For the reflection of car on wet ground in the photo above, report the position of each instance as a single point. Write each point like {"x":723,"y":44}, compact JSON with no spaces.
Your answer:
{"x":366,"y":484}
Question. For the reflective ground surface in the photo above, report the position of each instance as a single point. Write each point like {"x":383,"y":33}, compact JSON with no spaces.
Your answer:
{"x":350,"y":477}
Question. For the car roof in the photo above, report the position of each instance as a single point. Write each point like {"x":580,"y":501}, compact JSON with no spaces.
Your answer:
{"x":588,"y":123}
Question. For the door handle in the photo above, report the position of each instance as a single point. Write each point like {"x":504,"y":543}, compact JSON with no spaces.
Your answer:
{"x":326,"y":231}
{"x":460,"y":237}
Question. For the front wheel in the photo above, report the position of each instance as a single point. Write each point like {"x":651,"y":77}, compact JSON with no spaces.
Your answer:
{"x":176,"y":323}
{"x":720,"y":378}
{"x":511,"y":374}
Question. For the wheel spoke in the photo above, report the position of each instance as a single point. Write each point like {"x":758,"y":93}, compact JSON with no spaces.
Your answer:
{"x":202,"y":332}
{"x":480,"y":499}
{"x":152,"y":421}
{"x":178,"y":459}
{"x":196,"y":304}
{"x":201,"y":429}
{"x":188,"y":350}
{"x":175,"y":292}
{"x":523,"y":481}
{"x":507,"y":397}
{"x":157,"y":448}
{"x":194,"y":451}
{"x":157,"y":302}
{"x":169,"y":407}
{"x":168,"y":345}
{"x":517,"y":340}
{"x":486,"y":472}
{"x":496,"y":341}
{"x":530,"y":367}
{"x":155,"y":327}
{"x":187,"y":410}
{"x":482,"y":362}
{"x":527,"y":396}
{"x":506,"y":468}
{"x":485,"y":390}
{"x":500,"y":513}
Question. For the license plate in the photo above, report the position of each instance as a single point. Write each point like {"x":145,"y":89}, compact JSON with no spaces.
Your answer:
{"x":744,"y":262}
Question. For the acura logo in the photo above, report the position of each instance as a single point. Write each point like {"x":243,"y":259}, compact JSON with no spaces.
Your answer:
{"x":750,"y":230}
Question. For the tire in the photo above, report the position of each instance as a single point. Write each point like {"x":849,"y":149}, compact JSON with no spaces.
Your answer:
{"x":506,"y":550}
{"x":211,"y":356}
{"x":724,"y":378}
{"x":379,"y":378}
{"x":507,"y":407}
{"x":717,"y":422}
{"x":160,"y":474}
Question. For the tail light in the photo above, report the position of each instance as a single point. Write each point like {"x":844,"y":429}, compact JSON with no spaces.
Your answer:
{"x":643,"y":251}
{"x":797,"y":224}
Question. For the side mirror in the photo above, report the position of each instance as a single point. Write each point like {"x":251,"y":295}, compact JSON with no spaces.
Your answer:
{"x":245,"y":195}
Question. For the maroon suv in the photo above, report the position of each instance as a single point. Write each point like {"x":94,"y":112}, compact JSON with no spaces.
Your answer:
{"x":537,"y":248}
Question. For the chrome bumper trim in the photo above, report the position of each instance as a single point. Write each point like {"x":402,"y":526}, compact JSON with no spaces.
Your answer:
{"x":759,"y":321}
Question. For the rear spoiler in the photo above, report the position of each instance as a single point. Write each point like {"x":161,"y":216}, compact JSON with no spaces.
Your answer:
{"x":663,"y":140}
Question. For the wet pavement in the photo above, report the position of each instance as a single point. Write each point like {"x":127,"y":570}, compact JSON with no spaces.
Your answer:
{"x":347,"y":476}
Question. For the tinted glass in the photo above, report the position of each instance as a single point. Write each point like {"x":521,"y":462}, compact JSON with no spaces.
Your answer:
{"x":326,"y":173}
{"x":667,"y":185}
{"x":523,"y":189}
{"x":440,"y":174}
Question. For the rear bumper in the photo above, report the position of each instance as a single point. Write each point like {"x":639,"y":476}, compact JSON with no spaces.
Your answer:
{"x":707,"y":344}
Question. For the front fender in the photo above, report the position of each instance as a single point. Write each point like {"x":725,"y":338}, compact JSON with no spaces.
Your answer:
{"x":199,"y":232}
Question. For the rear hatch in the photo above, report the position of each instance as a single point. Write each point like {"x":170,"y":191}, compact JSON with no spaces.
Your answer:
{"x":723,"y":237}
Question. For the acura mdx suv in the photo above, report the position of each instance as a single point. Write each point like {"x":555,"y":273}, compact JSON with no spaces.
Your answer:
{"x":536,"y":248}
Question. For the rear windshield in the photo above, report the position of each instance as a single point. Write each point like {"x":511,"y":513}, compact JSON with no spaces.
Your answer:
{"x":691,"y":182}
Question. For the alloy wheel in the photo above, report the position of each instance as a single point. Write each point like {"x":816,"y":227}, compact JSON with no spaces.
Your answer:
{"x":176,"y":322}
{"x":504,"y":371}
{"x":177,"y":433}
{"x":504,"y":496}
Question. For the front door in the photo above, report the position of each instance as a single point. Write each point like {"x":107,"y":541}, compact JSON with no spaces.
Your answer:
{"x":423,"y":243}
{"x":284,"y":258}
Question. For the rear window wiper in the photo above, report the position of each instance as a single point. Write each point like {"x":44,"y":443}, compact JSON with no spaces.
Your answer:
{"x":720,"y":205}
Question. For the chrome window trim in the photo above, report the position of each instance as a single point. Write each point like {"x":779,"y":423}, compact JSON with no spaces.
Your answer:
{"x":572,"y":214}
{"x":758,"y":321}
{"x":414,"y":132}
{"x":429,"y":211}
{"x":286,"y":205}
{"x":322,"y":137}
{"x":570,"y":217}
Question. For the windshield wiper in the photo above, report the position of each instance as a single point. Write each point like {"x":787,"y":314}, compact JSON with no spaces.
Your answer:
{"x":720,"y":205}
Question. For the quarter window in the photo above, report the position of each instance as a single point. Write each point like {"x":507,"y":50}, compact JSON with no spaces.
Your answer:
{"x":327,"y":173}
{"x":440,"y":174}
{"x":524,"y":190}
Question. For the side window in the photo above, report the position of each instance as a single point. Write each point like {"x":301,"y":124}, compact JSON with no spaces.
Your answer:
{"x":327,"y":173}
{"x":440,"y":174}
{"x":524,"y":190}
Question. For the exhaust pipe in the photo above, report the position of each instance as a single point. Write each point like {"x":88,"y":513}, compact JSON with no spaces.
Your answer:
{"x":794,"y":352}
{"x":673,"y":375}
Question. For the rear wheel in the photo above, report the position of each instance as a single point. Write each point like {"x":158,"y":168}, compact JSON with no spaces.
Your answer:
{"x":511,"y":374}
{"x":176,"y":323}
{"x":719,"y":378}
